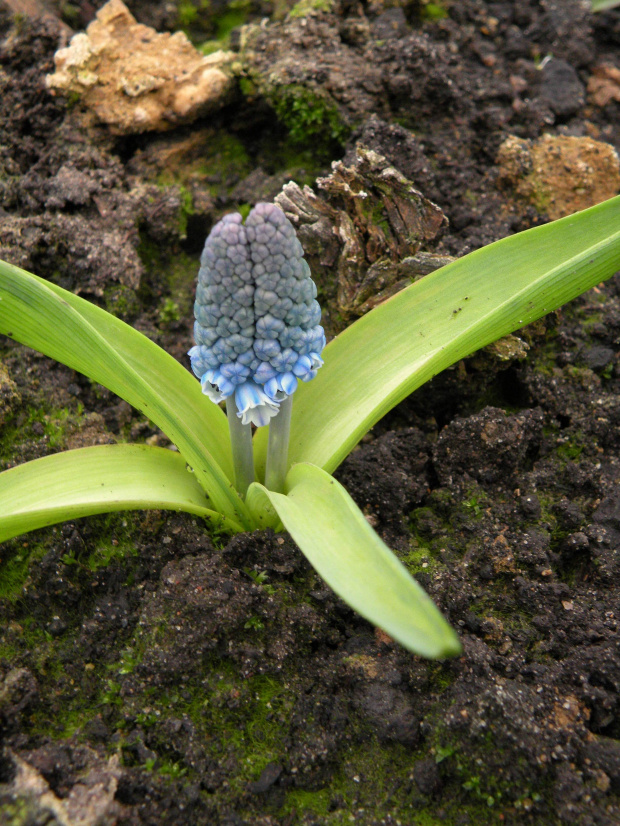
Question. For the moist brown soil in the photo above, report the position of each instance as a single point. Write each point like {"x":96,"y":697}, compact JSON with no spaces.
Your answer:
{"x":152,"y":672}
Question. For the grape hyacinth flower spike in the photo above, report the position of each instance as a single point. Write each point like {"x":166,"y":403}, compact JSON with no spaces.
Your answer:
{"x":257,"y":331}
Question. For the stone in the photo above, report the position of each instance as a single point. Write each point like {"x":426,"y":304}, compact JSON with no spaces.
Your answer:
{"x":268,"y":777}
{"x":597,"y":358}
{"x":427,"y":777}
{"x":561,"y":88}
{"x":90,"y":802}
{"x":135,"y":79}
{"x":604,"y":752}
{"x":604,"y":84}
{"x":559,"y":174}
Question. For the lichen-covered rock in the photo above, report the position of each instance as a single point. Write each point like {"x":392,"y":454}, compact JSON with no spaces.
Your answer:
{"x":559,"y":174}
{"x":135,"y":79}
{"x":29,"y":798}
{"x":604,"y":84}
{"x":366,"y":229}
{"x":318,"y":86}
{"x":323,"y":72}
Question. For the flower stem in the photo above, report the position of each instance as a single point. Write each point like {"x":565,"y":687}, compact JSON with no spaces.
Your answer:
{"x":277,"y":449}
{"x":241,"y":440}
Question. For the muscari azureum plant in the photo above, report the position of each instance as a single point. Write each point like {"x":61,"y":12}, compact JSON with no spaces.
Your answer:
{"x":258,"y":335}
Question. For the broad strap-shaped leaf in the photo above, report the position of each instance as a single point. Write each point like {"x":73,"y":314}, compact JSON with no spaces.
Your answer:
{"x":98,"y":480}
{"x":603,"y":5}
{"x":333,"y":534}
{"x":88,"y":339}
{"x":404,"y":342}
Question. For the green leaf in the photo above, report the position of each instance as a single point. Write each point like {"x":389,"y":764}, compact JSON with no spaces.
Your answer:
{"x":603,"y":5}
{"x":333,"y":534}
{"x":79,"y":334}
{"x":98,"y":480}
{"x":386,"y":355}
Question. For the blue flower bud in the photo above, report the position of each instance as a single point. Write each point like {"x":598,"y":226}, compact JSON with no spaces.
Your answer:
{"x":270,"y":327}
{"x":257,"y":327}
{"x":266,"y":348}
{"x":285,"y":360}
{"x":236,"y":373}
{"x":264,"y":373}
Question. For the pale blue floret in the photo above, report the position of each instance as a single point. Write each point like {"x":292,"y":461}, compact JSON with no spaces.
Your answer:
{"x":282,"y":385}
{"x":253,"y":404}
{"x":257,"y":325}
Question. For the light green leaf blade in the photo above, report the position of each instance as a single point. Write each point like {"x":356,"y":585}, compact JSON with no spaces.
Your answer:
{"x":342,"y":547}
{"x":98,"y":480}
{"x":390,"y":352}
{"x":79,"y":334}
{"x":603,"y":5}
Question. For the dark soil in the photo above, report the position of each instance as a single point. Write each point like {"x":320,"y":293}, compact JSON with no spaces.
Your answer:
{"x":170,"y":676}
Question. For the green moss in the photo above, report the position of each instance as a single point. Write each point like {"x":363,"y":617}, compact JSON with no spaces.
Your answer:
{"x":170,"y":280}
{"x":541,"y":199}
{"x":70,"y":702}
{"x":180,"y":275}
{"x":210,"y":47}
{"x":15,"y":564}
{"x":227,"y":156}
{"x":440,"y":676}
{"x":55,"y":426}
{"x":186,"y":210}
{"x":308,"y":7}
{"x":13,"y":575}
{"x":194,"y":16}
{"x":186,"y":14}
{"x":239,"y":717}
{"x":418,"y":558}
{"x":18,"y":810}
{"x":309,"y":115}
{"x":247,"y":87}
{"x":148,"y":251}
{"x":121,"y":301}
{"x":303,"y":802}
{"x":432,"y":11}
{"x":222,"y":157}
{"x":112,"y":542}
{"x":72,"y":697}
{"x":169,"y":312}
{"x":593,"y":318}
{"x":375,"y":779}
{"x":49,"y":423}
{"x":570,"y":451}
{"x":235,"y":15}
{"x":106,"y":551}
{"x":479,"y":785}
{"x":569,"y":448}
{"x":172,"y":769}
